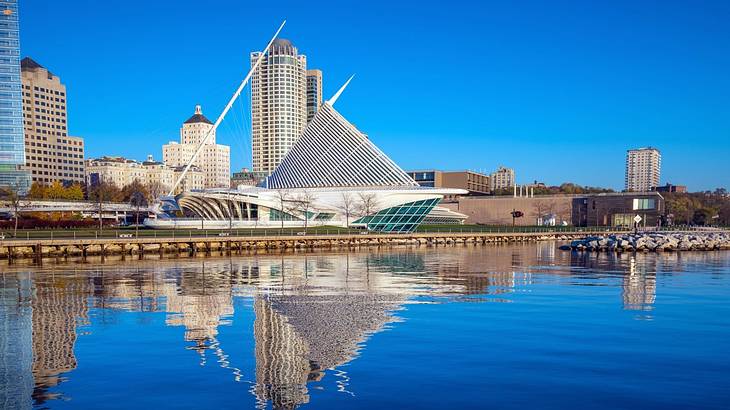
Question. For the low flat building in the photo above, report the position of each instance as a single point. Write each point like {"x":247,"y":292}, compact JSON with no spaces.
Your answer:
{"x":247,"y":177}
{"x":474,"y":182}
{"x":611,"y":209}
{"x":671,"y":188}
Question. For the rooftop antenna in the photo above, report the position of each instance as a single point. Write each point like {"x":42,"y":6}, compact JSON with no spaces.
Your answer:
{"x":334,"y":98}
{"x":225,"y":110}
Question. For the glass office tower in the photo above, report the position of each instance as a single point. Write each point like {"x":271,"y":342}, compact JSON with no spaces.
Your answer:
{"x":12,"y":145}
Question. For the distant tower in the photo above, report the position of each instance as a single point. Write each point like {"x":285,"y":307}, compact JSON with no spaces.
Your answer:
{"x":643,"y":166}
{"x":278,"y":104}
{"x":314,"y":92}
{"x":214,"y":159}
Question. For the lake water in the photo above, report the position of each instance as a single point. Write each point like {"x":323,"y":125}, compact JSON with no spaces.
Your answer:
{"x":450,"y":327}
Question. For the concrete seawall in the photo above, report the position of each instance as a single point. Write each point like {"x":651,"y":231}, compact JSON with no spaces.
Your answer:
{"x":40,"y":248}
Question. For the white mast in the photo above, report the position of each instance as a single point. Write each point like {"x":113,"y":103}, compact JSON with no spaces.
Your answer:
{"x":225,"y":110}
{"x":334,"y":98}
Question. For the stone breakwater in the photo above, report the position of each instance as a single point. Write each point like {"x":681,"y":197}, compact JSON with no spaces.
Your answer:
{"x":653,"y":242}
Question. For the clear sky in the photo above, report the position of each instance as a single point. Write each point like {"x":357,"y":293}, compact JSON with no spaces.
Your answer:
{"x":558,"y":90}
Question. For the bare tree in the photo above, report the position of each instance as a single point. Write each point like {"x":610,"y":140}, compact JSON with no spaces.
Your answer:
{"x":303,"y":203}
{"x":540,"y":208}
{"x":12,"y":197}
{"x":564,"y":212}
{"x":156,"y":189}
{"x":103,"y":192}
{"x":138,"y":199}
{"x":367,"y":203}
{"x":347,"y":206}
{"x":284,"y":200}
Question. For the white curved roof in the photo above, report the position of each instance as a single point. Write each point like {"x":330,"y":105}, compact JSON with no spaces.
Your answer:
{"x":333,"y":153}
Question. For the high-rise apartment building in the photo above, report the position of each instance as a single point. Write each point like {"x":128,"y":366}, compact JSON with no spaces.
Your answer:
{"x":278,"y":104}
{"x":314,"y":92}
{"x":12,"y":147}
{"x":51,"y":155}
{"x":502,"y":178}
{"x":214,"y":160}
{"x":642,"y":169}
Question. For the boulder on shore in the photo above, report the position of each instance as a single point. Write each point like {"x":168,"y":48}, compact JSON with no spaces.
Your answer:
{"x":653,"y":242}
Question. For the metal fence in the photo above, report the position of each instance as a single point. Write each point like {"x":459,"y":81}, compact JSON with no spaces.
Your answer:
{"x":45,"y":234}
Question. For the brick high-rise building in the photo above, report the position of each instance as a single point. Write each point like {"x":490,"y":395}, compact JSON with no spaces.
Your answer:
{"x":51,"y":154}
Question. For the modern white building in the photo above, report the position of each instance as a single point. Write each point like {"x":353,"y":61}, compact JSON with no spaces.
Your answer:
{"x":333,"y":175}
{"x":278,"y":104}
{"x":214,"y":159}
{"x":643,"y":166}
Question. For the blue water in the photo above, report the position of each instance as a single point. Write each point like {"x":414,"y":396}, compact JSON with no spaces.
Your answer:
{"x":455,"y":327}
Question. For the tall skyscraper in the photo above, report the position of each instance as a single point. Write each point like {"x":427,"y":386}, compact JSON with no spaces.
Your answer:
{"x":214,"y":160}
{"x":278,"y":104}
{"x":642,"y":169}
{"x":12,"y":146}
{"x":314,"y":92}
{"x":51,"y":155}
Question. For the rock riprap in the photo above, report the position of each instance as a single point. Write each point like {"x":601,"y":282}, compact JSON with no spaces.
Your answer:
{"x":653,"y":242}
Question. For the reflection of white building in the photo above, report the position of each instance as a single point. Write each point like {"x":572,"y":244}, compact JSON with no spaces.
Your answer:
{"x":333,"y":175}
{"x":213,"y":160}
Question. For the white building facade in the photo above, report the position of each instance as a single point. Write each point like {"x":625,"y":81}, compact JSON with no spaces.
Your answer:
{"x":643,"y":167}
{"x":214,"y":160}
{"x":333,"y":175}
{"x":502,"y":178}
{"x":122,"y":171}
{"x":278,"y":104}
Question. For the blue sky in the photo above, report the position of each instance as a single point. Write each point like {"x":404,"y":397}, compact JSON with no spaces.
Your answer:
{"x":557,"y":90}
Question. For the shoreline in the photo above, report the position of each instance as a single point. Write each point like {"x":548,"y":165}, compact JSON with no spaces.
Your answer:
{"x":39,"y":250}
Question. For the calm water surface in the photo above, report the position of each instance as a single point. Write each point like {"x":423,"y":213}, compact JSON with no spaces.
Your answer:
{"x":471,"y":327}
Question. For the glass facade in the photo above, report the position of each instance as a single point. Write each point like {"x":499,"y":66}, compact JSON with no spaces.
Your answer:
{"x":401,"y":218}
{"x":277,"y":215}
{"x":12,"y":145}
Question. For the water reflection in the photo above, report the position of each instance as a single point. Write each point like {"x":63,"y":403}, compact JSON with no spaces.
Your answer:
{"x":312,"y":313}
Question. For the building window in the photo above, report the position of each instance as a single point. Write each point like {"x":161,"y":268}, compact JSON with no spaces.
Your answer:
{"x":644,"y":203}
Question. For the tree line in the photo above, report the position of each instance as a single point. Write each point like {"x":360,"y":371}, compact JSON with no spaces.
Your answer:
{"x":567,"y":188}
{"x":698,"y":208}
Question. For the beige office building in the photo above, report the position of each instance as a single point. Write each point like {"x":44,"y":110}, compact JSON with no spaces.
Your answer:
{"x":278,"y":104}
{"x":474,"y":182}
{"x":51,"y":154}
{"x":153,"y":174}
{"x":314,"y":92}
{"x":643,"y":167}
{"x":502,"y":178}
{"x":214,"y":160}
